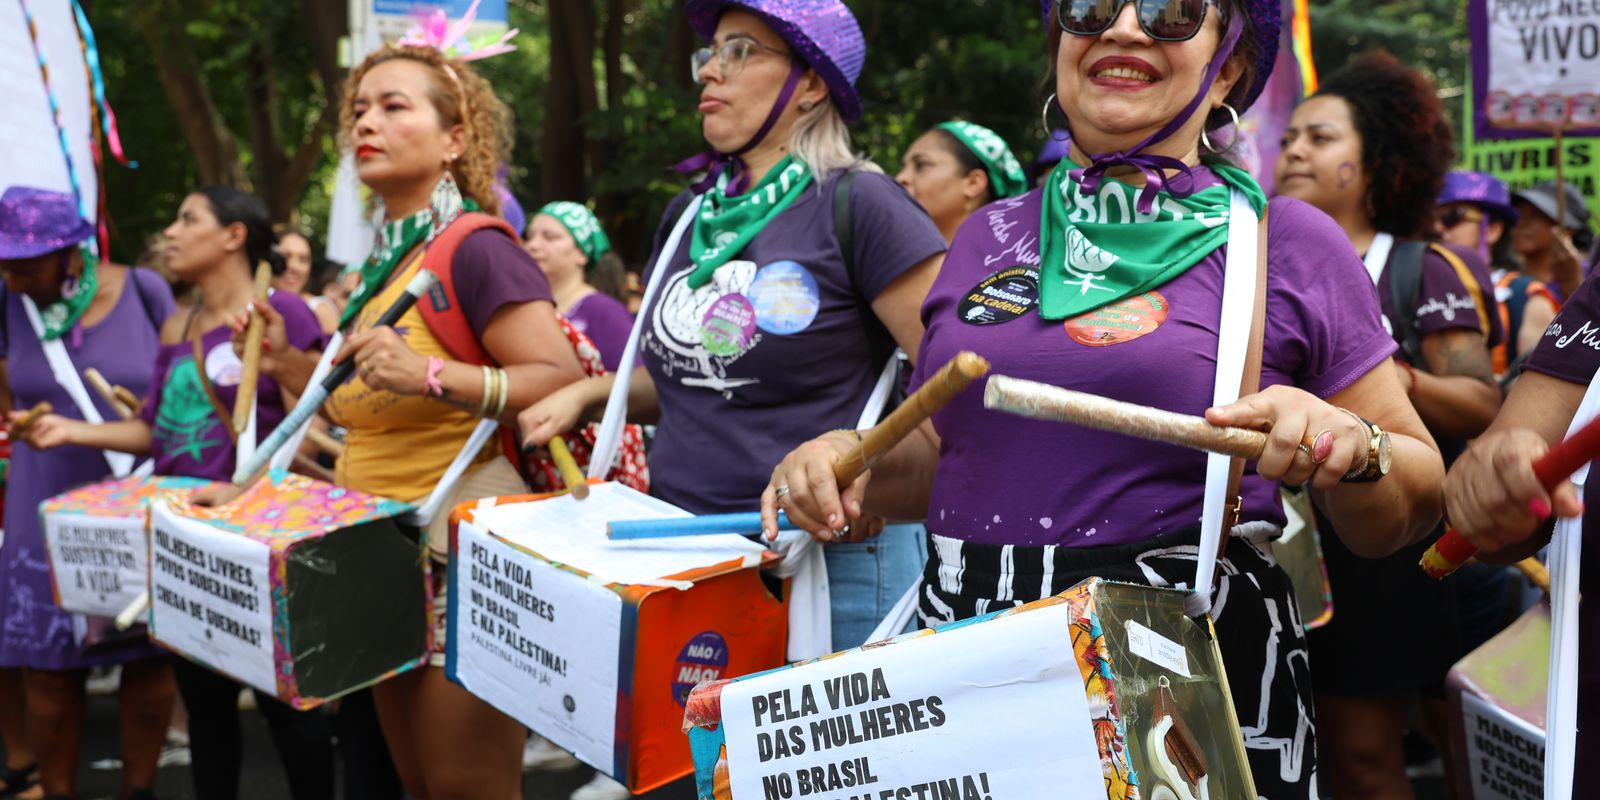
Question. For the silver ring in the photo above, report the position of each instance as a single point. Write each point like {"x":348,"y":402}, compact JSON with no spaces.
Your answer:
{"x":780,"y":491}
{"x":1304,"y":449}
{"x":839,"y":534}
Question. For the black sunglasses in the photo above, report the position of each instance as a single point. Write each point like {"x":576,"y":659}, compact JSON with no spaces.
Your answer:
{"x":1162,"y":20}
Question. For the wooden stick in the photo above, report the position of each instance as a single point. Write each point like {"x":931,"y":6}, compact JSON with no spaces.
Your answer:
{"x":1536,"y":573}
{"x":324,"y":442}
{"x":253,"y":335}
{"x":945,"y":384}
{"x":308,"y":467}
{"x":107,"y":392}
{"x":1561,"y":186}
{"x":128,"y":399}
{"x":570,"y":474}
{"x":20,"y":428}
{"x":1043,"y":401}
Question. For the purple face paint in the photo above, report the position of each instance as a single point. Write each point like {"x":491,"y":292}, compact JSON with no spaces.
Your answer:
{"x":1347,"y":173}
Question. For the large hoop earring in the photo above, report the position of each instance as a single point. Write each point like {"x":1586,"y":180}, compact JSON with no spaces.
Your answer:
{"x":1044,"y":120}
{"x":1206,"y":140}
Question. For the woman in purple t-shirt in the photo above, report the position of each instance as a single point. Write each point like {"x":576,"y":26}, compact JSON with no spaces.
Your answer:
{"x":1109,"y":280}
{"x":1372,"y":149}
{"x":1497,"y":502}
{"x":185,"y":425}
{"x":586,"y":277}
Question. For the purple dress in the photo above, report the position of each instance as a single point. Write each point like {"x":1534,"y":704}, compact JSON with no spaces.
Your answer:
{"x":35,"y":633}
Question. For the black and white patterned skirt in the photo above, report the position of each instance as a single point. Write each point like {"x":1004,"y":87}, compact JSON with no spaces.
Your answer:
{"x":1258,"y":625}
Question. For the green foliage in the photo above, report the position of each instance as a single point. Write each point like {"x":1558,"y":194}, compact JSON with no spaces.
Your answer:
{"x":1431,"y":34}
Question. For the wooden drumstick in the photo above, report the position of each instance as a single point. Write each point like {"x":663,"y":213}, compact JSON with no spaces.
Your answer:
{"x":570,"y":474}
{"x":107,"y":392}
{"x":20,"y":427}
{"x":128,"y":399}
{"x":1053,"y":403}
{"x":945,"y":384}
{"x":324,"y":442}
{"x":1536,"y":573}
{"x":253,"y":335}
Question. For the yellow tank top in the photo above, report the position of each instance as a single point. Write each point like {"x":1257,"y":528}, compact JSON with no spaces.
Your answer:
{"x":399,"y":445}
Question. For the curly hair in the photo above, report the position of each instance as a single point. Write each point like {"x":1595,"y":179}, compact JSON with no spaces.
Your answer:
{"x":1245,"y":54}
{"x":461,"y":97}
{"x":1407,"y":144}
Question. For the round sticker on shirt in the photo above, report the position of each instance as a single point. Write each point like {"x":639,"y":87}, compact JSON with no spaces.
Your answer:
{"x":785,"y":298}
{"x":223,"y":366}
{"x":727,"y":326}
{"x":1122,"y":321}
{"x":1001,"y":297}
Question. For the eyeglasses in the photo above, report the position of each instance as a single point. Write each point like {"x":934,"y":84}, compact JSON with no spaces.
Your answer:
{"x":1162,"y":20}
{"x":730,"y":57}
{"x":1455,"y":215}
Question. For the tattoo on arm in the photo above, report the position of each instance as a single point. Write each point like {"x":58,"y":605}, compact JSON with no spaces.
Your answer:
{"x":1462,"y":353}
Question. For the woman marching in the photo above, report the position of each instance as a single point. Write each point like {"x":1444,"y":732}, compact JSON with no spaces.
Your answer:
{"x":186,"y":426}
{"x":586,"y":276}
{"x":301,"y":277}
{"x":428,"y":135}
{"x":92,"y":314}
{"x":1474,"y":212}
{"x":1371,"y":149}
{"x":1123,"y":254}
{"x":956,"y":168}
{"x":803,"y":270}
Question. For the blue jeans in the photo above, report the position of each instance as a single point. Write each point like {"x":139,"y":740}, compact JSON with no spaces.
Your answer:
{"x":866,"y":579}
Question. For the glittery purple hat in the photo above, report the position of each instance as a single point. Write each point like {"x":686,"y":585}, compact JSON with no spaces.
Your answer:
{"x":36,"y":222}
{"x":1266,"y":25}
{"x":1485,"y":191}
{"x":822,"y":32}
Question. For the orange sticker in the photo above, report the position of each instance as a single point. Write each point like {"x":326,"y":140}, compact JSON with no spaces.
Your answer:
{"x":1122,"y":321}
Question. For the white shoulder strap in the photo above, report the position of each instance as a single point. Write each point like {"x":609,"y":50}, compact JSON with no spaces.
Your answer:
{"x":1233,"y":344}
{"x":873,"y":411}
{"x":1561,"y":700}
{"x":447,"y":483}
{"x":1377,"y":256}
{"x":67,"y":377}
{"x":284,"y":457}
{"x":609,"y":438}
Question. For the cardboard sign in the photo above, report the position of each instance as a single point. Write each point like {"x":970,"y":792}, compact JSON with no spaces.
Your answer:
{"x":881,"y":724}
{"x":516,"y":619}
{"x":1506,"y":754}
{"x":95,"y":539}
{"x":1534,"y":64}
{"x":213,"y":601}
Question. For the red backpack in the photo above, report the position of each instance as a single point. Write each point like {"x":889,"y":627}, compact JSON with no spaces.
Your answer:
{"x":444,"y":317}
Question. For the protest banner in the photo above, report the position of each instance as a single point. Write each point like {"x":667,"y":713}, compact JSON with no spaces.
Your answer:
{"x":94,"y":537}
{"x":1534,"y":66}
{"x":596,"y":644}
{"x":1523,"y":162}
{"x":1107,"y":690}
{"x":302,"y":589}
{"x":1497,"y":700}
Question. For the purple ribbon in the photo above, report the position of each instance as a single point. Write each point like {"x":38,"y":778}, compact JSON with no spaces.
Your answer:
{"x":1153,"y":166}
{"x":715,"y":161}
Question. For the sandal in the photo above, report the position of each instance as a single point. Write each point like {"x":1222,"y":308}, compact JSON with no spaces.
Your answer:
{"x":19,"y":780}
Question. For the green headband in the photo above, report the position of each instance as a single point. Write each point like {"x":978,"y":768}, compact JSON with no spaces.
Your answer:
{"x":584,"y":227}
{"x":1005,"y":174}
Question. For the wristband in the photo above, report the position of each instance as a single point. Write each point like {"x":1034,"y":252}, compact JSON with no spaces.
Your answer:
{"x":431,"y":387}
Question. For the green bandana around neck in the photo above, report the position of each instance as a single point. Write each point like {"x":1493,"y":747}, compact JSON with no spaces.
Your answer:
{"x":1096,"y":249}
{"x":395,"y":238}
{"x":584,"y":227}
{"x":60,"y":316}
{"x":1005,"y":174}
{"x":726,"y":224}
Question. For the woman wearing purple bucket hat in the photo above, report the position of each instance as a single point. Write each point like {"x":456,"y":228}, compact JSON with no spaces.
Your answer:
{"x":61,"y":303}
{"x":801,"y":268}
{"x":1123,"y":259}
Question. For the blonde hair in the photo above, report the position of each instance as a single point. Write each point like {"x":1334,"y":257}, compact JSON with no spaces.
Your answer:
{"x":461,"y":97}
{"x":821,"y":140}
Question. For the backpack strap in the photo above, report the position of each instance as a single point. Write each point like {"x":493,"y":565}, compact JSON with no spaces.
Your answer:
{"x":844,"y":224}
{"x":443,"y":312}
{"x":1405,"y":282}
{"x":1470,"y":281}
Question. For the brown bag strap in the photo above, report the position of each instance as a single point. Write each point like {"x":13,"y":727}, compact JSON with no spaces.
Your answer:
{"x":1250,"y":382}
{"x":222,"y":411}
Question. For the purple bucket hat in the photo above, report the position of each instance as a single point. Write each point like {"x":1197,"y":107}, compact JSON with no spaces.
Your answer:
{"x":822,"y":32}
{"x":1484,"y":191}
{"x":36,"y":222}
{"x":1266,"y":26}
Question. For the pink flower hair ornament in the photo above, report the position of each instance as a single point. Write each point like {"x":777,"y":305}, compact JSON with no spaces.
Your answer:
{"x":436,"y":31}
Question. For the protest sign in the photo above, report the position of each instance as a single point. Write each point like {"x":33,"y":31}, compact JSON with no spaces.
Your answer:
{"x":1534,"y":66}
{"x":1497,"y":697}
{"x":1505,"y":754}
{"x":880,"y":724}
{"x":596,"y":644}
{"x":1524,"y":162}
